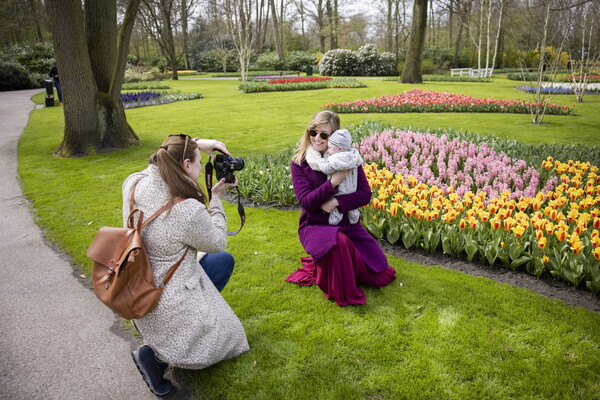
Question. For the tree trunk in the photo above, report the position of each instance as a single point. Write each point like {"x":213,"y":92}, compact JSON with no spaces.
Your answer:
{"x":450,"y":23}
{"x":89,"y":69}
{"x":389,"y":38}
{"x":321,"y":24}
{"x":77,"y":79}
{"x":276,"y":32}
{"x":33,"y":5}
{"x":412,"y":67}
{"x":463,"y":18}
{"x":184,"y":33}
{"x":498,"y":33}
{"x":101,"y":39}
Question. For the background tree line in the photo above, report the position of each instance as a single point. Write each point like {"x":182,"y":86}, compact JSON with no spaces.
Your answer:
{"x":94,"y":41}
{"x":195,"y":34}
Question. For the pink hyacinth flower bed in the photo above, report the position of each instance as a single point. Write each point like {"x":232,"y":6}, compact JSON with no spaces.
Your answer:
{"x":462,"y":166}
{"x":418,"y":100}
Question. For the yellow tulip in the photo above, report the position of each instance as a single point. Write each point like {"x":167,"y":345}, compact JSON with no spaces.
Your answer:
{"x":542,"y":242}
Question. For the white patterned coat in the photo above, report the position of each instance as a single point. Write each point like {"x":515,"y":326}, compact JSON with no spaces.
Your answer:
{"x":192,"y":326}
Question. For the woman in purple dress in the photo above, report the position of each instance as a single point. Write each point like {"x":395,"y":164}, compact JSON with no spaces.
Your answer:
{"x":344,"y":255}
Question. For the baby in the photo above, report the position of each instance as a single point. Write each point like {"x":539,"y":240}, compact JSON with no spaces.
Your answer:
{"x":341,"y":156}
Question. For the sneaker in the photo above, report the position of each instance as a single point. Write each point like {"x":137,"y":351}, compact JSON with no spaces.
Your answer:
{"x":152,"y":370}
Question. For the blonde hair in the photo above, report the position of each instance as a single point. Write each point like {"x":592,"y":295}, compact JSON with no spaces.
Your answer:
{"x":321,"y":118}
{"x":169,"y":160}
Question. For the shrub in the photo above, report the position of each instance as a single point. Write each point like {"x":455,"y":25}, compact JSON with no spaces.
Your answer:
{"x":155,"y":85}
{"x":36,"y":58}
{"x":427,"y":66}
{"x":212,"y":61}
{"x":526,"y":76}
{"x":269,"y":60}
{"x":137,"y":74}
{"x":339,"y":62}
{"x":298,"y":60}
{"x":387,"y":62}
{"x":14,"y":77}
{"x":262,"y":86}
{"x":366,"y":61}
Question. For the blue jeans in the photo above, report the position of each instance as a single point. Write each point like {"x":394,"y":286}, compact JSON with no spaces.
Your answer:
{"x":218,"y":267}
{"x":58,"y":89}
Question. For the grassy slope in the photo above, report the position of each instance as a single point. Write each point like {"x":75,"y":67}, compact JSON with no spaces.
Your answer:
{"x":441,"y":335}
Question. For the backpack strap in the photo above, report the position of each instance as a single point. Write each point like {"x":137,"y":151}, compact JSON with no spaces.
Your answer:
{"x":174,"y":268}
{"x":150,"y":219}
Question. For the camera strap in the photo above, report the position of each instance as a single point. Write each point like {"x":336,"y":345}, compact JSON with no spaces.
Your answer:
{"x":208,"y":171}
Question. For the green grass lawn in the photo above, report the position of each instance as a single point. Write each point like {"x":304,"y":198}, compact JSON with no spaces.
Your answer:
{"x":439,"y":335}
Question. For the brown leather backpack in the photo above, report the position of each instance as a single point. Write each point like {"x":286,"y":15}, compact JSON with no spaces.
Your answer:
{"x":121,"y":270}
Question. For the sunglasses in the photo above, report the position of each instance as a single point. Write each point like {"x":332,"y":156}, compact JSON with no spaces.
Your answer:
{"x":324,"y":135}
{"x":187,"y":138}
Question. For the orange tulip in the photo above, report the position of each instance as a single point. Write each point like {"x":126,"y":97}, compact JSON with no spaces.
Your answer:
{"x":561,"y":235}
{"x":545,"y":259}
{"x":462,"y":224}
{"x":597,"y":253}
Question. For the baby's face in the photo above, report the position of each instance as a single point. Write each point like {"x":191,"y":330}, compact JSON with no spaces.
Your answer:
{"x":333,"y":149}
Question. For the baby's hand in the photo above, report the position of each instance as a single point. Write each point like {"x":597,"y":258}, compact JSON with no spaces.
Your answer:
{"x":330,"y":205}
{"x":338,"y":176}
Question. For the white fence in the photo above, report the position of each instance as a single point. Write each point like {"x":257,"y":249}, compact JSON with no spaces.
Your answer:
{"x":472,"y":72}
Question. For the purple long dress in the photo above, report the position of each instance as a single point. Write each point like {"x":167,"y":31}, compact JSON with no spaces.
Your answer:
{"x":337,"y":265}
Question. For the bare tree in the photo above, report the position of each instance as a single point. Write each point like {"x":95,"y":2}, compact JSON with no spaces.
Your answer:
{"x":158,"y":18}
{"x":411,"y":72}
{"x":187,"y":8}
{"x":581,"y":68}
{"x":276,"y":32}
{"x":91,"y":54}
{"x":548,"y":64}
{"x":238,"y":14}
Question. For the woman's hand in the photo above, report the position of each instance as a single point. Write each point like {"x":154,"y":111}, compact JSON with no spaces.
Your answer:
{"x":221,"y":187}
{"x":330,"y":205}
{"x":208,"y":146}
{"x":338,"y":176}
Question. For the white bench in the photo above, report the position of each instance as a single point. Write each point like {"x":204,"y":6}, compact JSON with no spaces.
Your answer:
{"x":472,"y":72}
{"x":461,"y":71}
{"x":482,"y":73}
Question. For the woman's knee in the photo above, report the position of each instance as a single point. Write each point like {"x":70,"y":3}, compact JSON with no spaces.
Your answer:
{"x":342,"y":240}
{"x":227,"y":261}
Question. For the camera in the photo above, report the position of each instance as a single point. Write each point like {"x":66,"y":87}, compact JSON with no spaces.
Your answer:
{"x":225,"y":166}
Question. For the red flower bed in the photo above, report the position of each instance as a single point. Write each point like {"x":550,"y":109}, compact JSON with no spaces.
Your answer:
{"x":418,"y":100}
{"x":295,"y":80}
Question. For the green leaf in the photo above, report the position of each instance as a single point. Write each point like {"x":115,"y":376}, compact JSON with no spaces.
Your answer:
{"x":393,"y":235}
{"x":409,"y":239}
{"x":491,"y":253}
{"x":374,"y":230}
{"x":520,"y":261}
{"x":471,"y":249}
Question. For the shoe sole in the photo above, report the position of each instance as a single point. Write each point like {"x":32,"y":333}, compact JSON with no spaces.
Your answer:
{"x":145,"y":377}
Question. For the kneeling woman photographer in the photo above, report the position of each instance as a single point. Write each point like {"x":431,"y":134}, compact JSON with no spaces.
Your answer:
{"x":193,"y":326}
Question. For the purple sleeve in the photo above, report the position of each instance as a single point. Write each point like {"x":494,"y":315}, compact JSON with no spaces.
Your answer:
{"x":310,"y":197}
{"x":359,"y":198}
